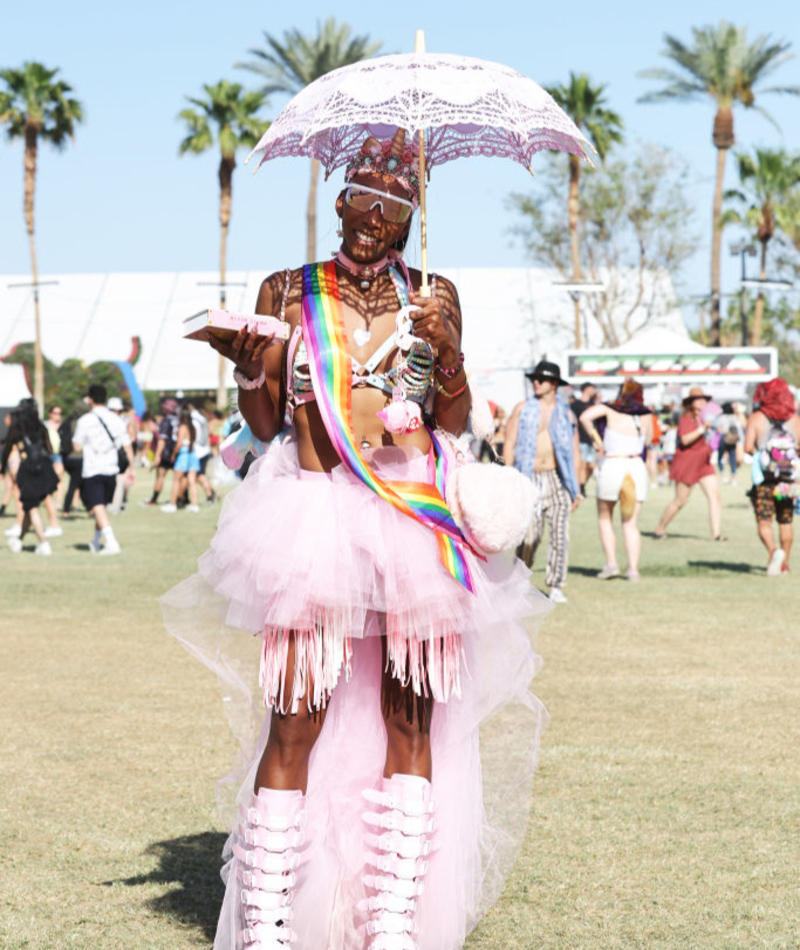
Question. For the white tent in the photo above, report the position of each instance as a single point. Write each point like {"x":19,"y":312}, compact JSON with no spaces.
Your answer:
{"x":512,"y":318}
{"x":660,"y":340}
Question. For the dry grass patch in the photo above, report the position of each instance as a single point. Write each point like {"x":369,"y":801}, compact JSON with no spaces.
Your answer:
{"x":665,"y":810}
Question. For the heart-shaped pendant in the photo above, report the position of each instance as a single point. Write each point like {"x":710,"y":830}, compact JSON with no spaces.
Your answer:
{"x":361,"y":336}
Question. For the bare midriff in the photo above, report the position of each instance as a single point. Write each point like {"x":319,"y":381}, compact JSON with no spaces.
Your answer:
{"x":545,"y":456}
{"x":314,"y":449}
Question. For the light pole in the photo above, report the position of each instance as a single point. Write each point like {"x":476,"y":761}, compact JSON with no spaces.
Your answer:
{"x":575,"y":288}
{"x":38,"y":357}
{"x":742,"y":248}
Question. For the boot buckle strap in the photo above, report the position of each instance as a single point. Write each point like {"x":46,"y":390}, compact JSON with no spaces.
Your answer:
{"x":405,"y":868}
{"x":397,"y":843}
{"x":389,"y":923}
{"x":394,"y":886}
{"x":409,"y":806}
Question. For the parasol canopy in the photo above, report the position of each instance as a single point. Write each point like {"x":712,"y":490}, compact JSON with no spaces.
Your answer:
{"x":464,"y":106}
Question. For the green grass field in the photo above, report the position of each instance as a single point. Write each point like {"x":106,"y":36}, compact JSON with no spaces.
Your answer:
{"x":667,"y":804}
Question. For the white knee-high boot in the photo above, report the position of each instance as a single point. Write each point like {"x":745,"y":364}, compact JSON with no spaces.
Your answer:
{"x":399,"y":853}
{"x":270,"y":833}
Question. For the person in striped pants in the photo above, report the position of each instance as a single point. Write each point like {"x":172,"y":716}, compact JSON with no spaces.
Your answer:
{"x":542,"y":443}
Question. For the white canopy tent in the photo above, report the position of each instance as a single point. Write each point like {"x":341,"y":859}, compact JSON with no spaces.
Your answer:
{"x":668,"y":363}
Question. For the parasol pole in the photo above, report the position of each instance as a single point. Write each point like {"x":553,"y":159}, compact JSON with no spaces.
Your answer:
{"x":424,"y":290}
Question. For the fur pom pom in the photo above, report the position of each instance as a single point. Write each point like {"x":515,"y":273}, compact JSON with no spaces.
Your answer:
{"x":493,"y":505}
{"x":401,"y":416}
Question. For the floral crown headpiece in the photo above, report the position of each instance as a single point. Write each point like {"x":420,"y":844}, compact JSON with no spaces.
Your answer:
{"x":391,"y":157}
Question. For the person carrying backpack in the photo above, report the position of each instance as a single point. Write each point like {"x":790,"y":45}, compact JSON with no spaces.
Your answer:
{"x":730,"y":435}
{"x":772,"y":437}
{"x":36,"y":477}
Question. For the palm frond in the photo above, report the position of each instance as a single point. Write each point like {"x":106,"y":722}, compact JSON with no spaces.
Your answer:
{"x":33,"y":95}
{"x":721,"y":63}
{"x":290,"y":64}
{"x":228,"y":116}
{"x":585,"y":104}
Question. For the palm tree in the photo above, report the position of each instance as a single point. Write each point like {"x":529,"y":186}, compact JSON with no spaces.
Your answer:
{"x":585,"y":105}
{"x":298,"y":60}
{"x":722,"y":65}
{"x":35,"y":105}
{"x":228,"y":118}
{"x":767,"y":180}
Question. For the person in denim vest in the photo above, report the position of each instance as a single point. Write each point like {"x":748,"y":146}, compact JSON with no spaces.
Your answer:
{"x":542,"y":443}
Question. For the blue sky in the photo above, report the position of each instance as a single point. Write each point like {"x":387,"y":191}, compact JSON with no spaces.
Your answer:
{"x":120,"y":198}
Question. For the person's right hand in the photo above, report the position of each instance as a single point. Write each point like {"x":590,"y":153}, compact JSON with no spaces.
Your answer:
{"x":246,"y":350}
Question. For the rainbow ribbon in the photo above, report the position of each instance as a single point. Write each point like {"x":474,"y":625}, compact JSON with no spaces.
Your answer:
{"x":330,"y":367}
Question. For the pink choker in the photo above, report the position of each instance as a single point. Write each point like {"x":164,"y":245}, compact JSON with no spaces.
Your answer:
{"x":366,"y":272}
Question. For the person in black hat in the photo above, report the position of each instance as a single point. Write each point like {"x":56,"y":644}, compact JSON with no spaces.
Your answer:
{"x":542,"y":443}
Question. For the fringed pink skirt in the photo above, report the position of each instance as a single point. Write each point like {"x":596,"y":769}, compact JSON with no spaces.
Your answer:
{"x":322,"y":557}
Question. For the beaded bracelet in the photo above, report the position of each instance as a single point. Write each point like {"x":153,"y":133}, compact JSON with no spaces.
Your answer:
{"x":248,"y":385}
{"x":450,"y":395}
{"x":451,"y":371}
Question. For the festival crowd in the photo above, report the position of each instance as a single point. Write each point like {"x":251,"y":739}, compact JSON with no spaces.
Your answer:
{"x":378,"y":807}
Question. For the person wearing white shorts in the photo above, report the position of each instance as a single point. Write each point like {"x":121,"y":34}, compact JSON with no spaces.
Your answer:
{"x":615,"y":466}
{"x":621,"y":473}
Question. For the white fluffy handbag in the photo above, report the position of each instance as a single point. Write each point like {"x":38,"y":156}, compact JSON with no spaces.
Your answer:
{"x":492,"y":504}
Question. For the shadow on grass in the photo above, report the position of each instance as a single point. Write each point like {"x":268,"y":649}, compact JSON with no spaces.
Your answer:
{"x":700,"y":569}
{"x":192,"y":862}
{"x":669,"y":536}
{"x":583,"y":571}
{"x":737,"y":567}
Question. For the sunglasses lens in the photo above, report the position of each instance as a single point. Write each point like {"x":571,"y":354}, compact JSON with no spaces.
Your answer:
{"x":391,"y":210}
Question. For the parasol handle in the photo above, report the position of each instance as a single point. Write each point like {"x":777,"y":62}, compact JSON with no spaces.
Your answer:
{"x":424,"y":290}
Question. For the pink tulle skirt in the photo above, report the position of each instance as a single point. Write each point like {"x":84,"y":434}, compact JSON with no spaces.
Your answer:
{"x":322,"y":556}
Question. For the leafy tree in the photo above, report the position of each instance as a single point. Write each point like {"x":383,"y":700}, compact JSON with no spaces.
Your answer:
{"x":68,"y":383}
{"x":780,"y":328}
{"x":722,"y":65}
{"x":787,"y":214}
{"x":292,"y":64}
{"x":586,"y":106}
{"x":226,"y":118}
{"x":34,"y":105}
{"x":636,"y":225}
{"x":766,"y":181}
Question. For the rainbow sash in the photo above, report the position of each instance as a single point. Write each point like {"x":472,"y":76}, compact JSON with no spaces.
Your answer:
{"x":331,"y":372}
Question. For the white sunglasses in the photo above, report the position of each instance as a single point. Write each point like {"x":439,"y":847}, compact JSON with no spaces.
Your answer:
{"x":393,"y":209}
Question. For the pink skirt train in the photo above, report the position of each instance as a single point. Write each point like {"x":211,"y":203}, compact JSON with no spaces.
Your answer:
{"x":323,"y":556}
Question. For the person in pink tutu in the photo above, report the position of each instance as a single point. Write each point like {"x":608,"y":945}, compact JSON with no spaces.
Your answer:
{"x":369,"y":816}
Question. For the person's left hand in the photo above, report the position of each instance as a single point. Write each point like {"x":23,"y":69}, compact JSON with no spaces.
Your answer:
{"x":431,"y":324}
{"x":575,"y":502}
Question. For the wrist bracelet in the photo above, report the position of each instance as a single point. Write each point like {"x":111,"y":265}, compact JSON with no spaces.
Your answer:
{"x":451,"y":371}
{"x":449,"y":395}
{"x":249,"y":384}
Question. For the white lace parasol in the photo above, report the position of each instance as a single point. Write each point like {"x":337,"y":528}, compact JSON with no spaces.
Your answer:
{"x":465,"y":106}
